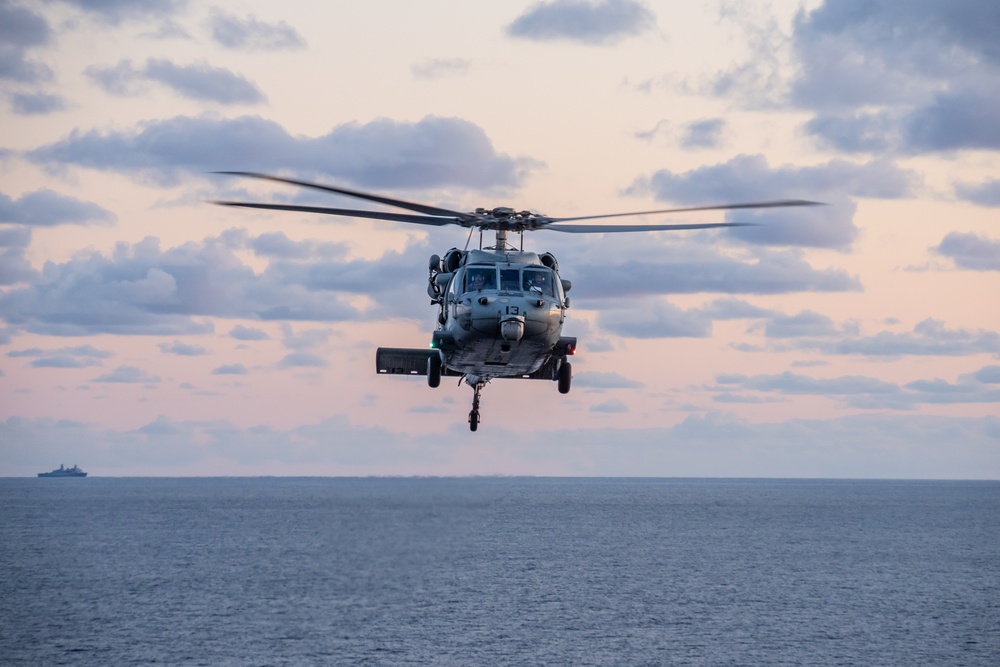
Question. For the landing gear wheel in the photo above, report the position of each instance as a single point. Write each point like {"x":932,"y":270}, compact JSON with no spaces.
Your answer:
{"x":474,"y":415}
{"x":433,"y":371}
{"x":565,"y":377}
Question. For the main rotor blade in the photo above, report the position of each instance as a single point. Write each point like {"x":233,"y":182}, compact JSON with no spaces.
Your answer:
{"x":399,"y":203}
{"x":600,"y":229}
{"x":347,"y":212}
{"x":721,"y":207}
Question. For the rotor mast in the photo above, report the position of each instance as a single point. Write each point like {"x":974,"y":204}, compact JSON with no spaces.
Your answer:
{"x":501,"y":239}
{"x":502,"y":220}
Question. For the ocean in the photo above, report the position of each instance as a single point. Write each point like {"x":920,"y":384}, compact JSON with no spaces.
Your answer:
{"x":498,"y":571}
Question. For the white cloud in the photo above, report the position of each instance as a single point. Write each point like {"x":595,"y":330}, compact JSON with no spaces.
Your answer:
{"x":749,"y":178}
{"x":249,"y":34}
{"x":604,"y":380}
{"x":970,"y":251}
{"x":986,"y":193}
{"x":431,"y":152}
{"x":21,"y":29}
{"x":199,"y":81}
{"x":438,"y":68}
{"x":37,"y":104}
{"x":909,"y":81}
{"x":127,"y":375}
{"x":46,"y":208}
{"x":600,"y":22}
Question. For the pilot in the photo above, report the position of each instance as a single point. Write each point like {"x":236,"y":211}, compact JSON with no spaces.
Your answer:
{"x":477,"y":281}
{"x":537,"y":281}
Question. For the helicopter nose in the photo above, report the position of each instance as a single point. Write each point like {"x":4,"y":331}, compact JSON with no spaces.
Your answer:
{"x":512,"y":329}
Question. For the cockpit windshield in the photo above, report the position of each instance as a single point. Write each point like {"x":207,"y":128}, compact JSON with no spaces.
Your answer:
{"x":534,"y":280}
{"x":510,"y":280}
{"x":480,"y":278}
{"x":539,"y":281}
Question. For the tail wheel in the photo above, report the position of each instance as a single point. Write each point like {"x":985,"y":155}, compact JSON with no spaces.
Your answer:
{"x":565,"y":377}
{"x":433,"y":371}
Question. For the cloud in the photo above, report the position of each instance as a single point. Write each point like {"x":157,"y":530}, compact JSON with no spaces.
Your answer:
{"x":929,"y":338}
{"x":613,"y":406}
{"x":439,"y":68}
{"x":14,"y":267}
{"x":183,"y":349}
{"x":984,"y":194}
{"x":883,"y":81}
{"x":168,"y":30}
{"x":618,"y":276}
{"x":703,"y":133}
{"x":240,"y":332}
{"x":869,"y":393}
{"x":726,"y":397}
{"x":116,"y":11}
{"x":36,"y":104}
{"x":749,"y":178}
{"x":230,"y":369}
{"x":734,"y":309}
{"x":601,"y":380}
{"x":77,"y":350}
{"x":303,"y":340}
{"x":249,"y":34}
{"x":45,"y":208}
{"x":964,"y":119}
{"x":20,"y":30}
{"x":988,"y":374}
{"x":278,"y":245}
{"x":302,"y":360}
{"x":939,"y":391}
{"x":601,"y":22}
{"x":62,"y":361}
{"x":142,"y":289}
{"x":655,"y":319}
{"x":432,"y":152}
{"x":970,"y":251}
{"x":197,"y":82}
{"x":805,"y":324}
{"x":793,"y":383}
{"x":953,"y":121}
{"x":649,"y":135}
{"x":80,"y":356}
{"x":127,"y":375}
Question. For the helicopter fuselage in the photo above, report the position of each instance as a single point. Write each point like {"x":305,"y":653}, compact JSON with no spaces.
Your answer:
{"x":500,"y":313}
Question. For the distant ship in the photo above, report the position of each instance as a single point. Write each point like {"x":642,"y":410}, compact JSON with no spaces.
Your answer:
{"x":64,"y":472}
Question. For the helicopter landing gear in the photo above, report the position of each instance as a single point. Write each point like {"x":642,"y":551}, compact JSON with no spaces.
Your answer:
{"x":474,"y":415}
{"x":565,"y":377}
{"x":433,"y":371}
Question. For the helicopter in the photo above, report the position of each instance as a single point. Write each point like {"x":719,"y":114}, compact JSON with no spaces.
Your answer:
{"x":500,"y":309}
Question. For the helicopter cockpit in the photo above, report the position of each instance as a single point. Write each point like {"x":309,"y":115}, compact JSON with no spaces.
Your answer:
{"x":479,"y":278}
{"x":538,"y":281}
{"x":533,"y":280}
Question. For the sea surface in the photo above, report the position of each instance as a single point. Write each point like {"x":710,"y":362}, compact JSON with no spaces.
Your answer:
{"x":498,"y":571}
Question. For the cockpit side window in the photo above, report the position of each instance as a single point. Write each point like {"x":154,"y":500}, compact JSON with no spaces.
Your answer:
{"x":480,"y":278}
{"x":539,"y":281}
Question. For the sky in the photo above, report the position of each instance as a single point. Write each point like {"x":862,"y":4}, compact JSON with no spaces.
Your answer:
{"x":147,"y":332}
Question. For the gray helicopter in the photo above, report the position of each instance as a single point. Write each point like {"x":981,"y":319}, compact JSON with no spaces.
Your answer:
{"x":500,"y":309}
